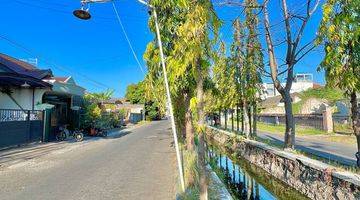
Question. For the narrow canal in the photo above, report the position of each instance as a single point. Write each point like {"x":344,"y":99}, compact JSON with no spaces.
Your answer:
{"x":246,"y":181}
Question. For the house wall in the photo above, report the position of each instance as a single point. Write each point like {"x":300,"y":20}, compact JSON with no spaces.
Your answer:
{"x":23,"y":97}
{"x":296,"y":87}
{"x":68,"y":89}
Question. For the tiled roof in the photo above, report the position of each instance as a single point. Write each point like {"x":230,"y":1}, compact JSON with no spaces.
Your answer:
{"x":21,"y":67}
{"x":61,"y":79}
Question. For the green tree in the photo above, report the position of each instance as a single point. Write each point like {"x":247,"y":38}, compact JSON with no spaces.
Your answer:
{"x":225,"y":81}
{"x":135,"y":93}
{"x":194,"y":49}
{"x":254,"y":63}
{"x":340,"y":31}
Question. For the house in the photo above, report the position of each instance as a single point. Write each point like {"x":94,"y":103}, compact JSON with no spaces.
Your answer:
{"x":26,"y":92}
{"x":302,"y":82}
{"x":134,"y":112}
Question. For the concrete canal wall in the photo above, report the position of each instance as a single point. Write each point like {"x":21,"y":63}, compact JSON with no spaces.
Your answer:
{"x":312,"y":178}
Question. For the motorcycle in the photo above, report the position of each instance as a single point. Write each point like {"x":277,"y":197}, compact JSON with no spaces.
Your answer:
{"x":65,"y":133}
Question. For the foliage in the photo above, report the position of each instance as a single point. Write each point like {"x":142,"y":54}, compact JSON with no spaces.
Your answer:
{"x":340,"y":31}
{"x":99,"y":97}
{"x":135,"y":93}
{"x":225,"y":81}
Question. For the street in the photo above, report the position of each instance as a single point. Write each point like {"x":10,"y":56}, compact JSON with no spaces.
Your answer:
{"x":137,"y":164}
{"x":316,"y":145}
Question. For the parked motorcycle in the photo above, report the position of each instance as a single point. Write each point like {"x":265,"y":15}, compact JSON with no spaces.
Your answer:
{"x":65,"y":133}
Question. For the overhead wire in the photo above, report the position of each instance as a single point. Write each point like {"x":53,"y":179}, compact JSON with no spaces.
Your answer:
{"x":126,"y":37}
{"x":48,"y":61}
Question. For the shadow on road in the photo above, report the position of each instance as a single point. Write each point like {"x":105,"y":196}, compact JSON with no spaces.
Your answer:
{"x":31,"y":151}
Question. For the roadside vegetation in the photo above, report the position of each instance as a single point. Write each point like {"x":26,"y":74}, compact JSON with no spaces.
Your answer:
{"x":95,"y":115}
{"x":207,"y":76}
{"x":328,"y":94}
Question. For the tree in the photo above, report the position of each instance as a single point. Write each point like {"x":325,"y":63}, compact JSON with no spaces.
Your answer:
{"x":224,"y":79}
{"x":238,"y":61}
{"x":193,"y":50}
{"x":254,"y":63}
{"x":135,"y":93}
{"x":340,"y":31}
{"x":294,"y":53}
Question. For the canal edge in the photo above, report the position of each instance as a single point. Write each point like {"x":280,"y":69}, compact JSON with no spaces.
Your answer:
{"x":224,"y":194}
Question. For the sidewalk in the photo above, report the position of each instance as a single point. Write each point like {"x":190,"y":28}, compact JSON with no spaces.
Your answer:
{"x":341,"y":152}
{"x":16,"y":155}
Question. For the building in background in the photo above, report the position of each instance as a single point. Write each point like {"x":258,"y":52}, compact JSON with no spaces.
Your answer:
{"x":134,"y":113}
{"x":302,"y":82}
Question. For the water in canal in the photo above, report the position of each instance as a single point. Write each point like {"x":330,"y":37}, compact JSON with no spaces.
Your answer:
{"x":246,"y":181}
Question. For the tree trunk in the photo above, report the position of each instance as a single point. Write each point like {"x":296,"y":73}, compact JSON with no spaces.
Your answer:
{"x":242,"y":119}
{"x":254,"y":121}
{"x":289,"y":122}
{"x":220,"y":118}
{"x":237,"y":118}
{"x":201,"y":152}
{"x":355,"y":117}
{"x":232,"y":120}
{"x":250,"y":111}
{"x":226,"y":119}
{"x":246,"y":127}
{"x":189,"y":129}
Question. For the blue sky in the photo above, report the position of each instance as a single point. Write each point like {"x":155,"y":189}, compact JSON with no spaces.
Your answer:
{"x":96,"y":51}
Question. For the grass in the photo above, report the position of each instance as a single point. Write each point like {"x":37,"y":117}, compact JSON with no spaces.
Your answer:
{"x":191,"y":176}
{"x":343,"y":128}
{"x":330,"y":94}
{"x":280,"y":129}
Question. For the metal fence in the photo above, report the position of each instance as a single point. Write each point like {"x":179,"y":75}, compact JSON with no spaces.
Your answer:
{"x":20,"y":126}
{"x":309,"y":120}
{"x":9,"y":115}
{"x":342,"y":124}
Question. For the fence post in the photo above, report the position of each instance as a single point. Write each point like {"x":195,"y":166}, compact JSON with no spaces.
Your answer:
{"x":277,"y":122}
{"x":328,"y":125}
{"x":29,"y":124}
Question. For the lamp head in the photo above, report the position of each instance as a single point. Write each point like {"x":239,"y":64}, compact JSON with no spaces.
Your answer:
{"x":82,"y":14}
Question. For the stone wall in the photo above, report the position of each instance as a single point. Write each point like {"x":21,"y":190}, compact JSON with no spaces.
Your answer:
{"x":312,"y":178}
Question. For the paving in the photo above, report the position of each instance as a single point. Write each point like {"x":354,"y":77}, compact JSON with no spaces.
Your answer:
{"x":136,"y":163}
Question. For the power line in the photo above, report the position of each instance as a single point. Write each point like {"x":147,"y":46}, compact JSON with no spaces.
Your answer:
{"x":127,"y":38}
{"x":62,"y":68}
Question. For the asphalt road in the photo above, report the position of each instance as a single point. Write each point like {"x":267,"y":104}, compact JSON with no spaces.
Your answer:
{"x":136,"y":164}
{"x":343,"y":153}
{"x":340,"y":152}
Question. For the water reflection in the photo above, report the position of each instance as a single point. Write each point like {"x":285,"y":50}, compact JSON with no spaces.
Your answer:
{"x":244,"y":186}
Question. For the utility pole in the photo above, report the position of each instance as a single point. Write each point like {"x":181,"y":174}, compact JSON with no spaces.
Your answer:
{"x":85,"y":15}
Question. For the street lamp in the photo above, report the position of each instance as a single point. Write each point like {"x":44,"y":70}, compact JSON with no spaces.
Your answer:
{"x":85,"y":15}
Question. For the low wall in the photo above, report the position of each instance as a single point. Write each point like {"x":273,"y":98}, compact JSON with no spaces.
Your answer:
{"x":311,"y":177}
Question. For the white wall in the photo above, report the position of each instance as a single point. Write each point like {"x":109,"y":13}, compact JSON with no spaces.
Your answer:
{"x":296,"y":87}
{"x":23,"y":97}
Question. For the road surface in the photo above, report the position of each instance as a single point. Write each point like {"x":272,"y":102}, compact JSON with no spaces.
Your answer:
{"x":317,"y":145}
{"x":136,"y":164}
{"x":343,"y":153}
